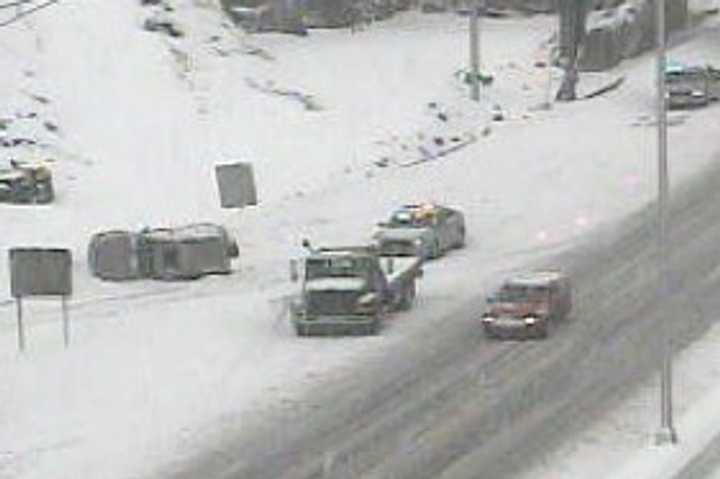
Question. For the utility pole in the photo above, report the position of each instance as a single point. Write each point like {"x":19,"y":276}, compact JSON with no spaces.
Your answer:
{"x":666,"y":434}
{"x":474,"y":52}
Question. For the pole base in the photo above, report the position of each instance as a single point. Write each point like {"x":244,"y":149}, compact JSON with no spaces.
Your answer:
{"x":665,"y":436}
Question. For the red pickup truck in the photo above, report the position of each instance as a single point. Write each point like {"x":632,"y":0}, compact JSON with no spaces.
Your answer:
{"x":528,"y":306}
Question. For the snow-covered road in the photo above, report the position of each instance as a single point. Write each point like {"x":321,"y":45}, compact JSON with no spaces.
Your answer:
{"x":143,"y":120}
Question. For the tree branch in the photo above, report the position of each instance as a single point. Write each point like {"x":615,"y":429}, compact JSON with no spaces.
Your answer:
{"x":14,"y":4}
{"x":25,"y":13}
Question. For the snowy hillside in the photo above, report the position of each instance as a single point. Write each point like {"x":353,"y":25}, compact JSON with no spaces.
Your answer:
{"x":142,"y":119}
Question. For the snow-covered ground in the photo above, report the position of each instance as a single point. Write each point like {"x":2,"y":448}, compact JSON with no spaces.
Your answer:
{"x":144,"y":118}
{"x":621,"y":443}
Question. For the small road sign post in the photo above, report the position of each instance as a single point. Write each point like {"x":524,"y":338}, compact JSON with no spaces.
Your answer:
{"x":236,"y":185}
{"x":41,"y":272}
{"x":21,"y":329}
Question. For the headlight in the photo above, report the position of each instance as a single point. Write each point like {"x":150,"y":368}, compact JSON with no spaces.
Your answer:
{"x":367,"y":299}
{"x":297,"y":307}
{"x":530,"y":320}
{"x":366,"y":303}
{"x":488,"y":319}
{"x":418,"y":242}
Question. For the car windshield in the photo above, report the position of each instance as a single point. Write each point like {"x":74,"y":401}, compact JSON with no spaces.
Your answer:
{"x":335,"y":267}
{"x":398,"y":248}
{"x":521,"y":293}
{"x":685,"y":80}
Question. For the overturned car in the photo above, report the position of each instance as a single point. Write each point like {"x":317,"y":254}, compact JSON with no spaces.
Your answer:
{"x":186,"y":252}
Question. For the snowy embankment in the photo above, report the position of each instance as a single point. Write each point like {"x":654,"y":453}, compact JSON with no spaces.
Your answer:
{"x":142,"y":120}
{"x":621,"y":442}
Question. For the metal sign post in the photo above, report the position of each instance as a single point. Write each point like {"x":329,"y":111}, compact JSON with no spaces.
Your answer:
{"x":21,"y":328}
{"x":66,"y":321}
{"x":236,"y":185}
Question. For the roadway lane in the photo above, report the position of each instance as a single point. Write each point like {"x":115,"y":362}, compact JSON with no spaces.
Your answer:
{"x":704,"y":466}
{"x":449,"y":403}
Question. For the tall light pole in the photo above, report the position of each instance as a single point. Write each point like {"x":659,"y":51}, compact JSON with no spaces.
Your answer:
{"x":474,"y":51}
{"x":667,"y":433}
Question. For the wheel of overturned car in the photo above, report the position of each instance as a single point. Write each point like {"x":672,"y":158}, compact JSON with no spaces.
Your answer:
{"x":233,"y":251}
{"x":436,"y":252}
{"x":461,"y":238}
{"x":44,"y":193}
{"x":408,"y":297}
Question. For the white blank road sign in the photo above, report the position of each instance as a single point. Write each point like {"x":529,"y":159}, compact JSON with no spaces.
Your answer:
{"x":236,"y":183}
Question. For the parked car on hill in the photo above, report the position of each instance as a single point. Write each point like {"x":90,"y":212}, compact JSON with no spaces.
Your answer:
{"x":528,"y":305}
{"x":26,"y":183}
{"x":434,"y":229}
{"x":688,"y":87}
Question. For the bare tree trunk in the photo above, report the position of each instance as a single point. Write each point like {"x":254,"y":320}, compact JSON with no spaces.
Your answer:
{"x":573,"y":14}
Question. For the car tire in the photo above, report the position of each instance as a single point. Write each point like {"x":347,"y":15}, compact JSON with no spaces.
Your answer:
{"x":301,"y":330}
{"x":543,"y":332}
{"x":435,"y":252}
{"x":461,"y":242}
{"x":232,"y":249}
{"x":373,"y":328}
{"x":408,"y":297}
{"x":45,"y":194}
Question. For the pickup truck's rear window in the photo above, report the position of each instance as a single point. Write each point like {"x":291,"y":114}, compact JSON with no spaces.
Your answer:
{"x":335,"y":267}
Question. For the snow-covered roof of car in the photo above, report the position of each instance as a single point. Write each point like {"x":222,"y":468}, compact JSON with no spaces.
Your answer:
{"x":674,"y":67}
{"x":536,"y":278}
{"x":412,"y":214}
{"x":187,"y":232}
{"x":420,"y":207}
